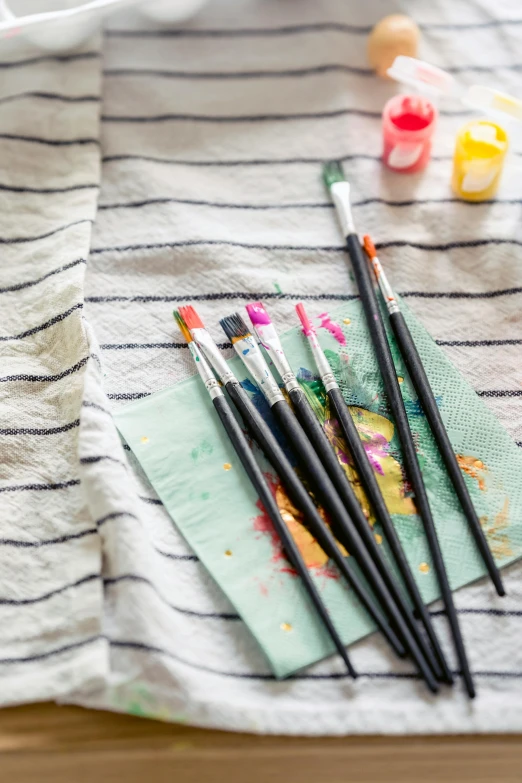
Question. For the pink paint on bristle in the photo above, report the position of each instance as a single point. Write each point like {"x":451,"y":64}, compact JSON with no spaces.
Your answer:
{"x":334,"y":328}
{"x":257,"y":314}
{"x":308,"y":327}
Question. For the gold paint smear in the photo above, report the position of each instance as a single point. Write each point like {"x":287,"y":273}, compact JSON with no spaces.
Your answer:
{"x":227,"y":466}
{"x":496,"y":533}
{"x":474,"y":468}
{"x":310,"y":550}
{"x":286,"y":627}
{"x":424,"y":568}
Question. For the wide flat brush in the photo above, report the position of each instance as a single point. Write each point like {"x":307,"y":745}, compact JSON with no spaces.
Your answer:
{"x":319,"y":481}
{"x":269,"y":339}
{"x":429,"y":405}
{"x":340,"y":192}
{"x":255,"y":474}
{"x":262,"y":434}
{"x":369,"y":482}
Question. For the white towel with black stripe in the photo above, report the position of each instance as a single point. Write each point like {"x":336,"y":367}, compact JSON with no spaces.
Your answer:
{"x":212,"y":139}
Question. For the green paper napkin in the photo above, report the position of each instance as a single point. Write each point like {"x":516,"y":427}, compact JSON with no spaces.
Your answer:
{"x":178,"y":439}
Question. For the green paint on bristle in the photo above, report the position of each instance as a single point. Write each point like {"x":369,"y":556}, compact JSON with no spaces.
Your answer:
{"x":332,"y":172}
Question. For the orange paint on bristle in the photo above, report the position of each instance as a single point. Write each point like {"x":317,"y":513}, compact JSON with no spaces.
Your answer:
{"x":369,"y":246}
{"x":183,"y":327}
{"x":237,"y":339}
{"x":191,"y":318}
{"x":305,"y":321}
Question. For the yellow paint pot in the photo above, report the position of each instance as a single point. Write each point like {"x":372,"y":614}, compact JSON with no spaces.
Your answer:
{"x":480,"y":151}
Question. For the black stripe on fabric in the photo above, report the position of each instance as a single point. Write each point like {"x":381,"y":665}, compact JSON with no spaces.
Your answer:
{"x":500,"y":393}
{"x":135,"y":346}
{"x":151,"y":501}
{"x":55,"y":58}
{"x":244,"y":295}
{"x":50,"y":96}
{"x":96,"y":407}
{"x":47,"y":542}
{"x":315,"y":70}
{"x":295,"y":29}
{"x":50,"y":653}
{"x":46,"y":378}
{"x":129,"y":396}
{"x":127,"y":448}
{"x":462,"y":294}
{"x":40,"y":487}
{"x":45,"y":596}
{"x":20,"y":240}
{"x":190,"y":612}
{"x":261,"y":161}
{"x":29,"y":283}
{"x":477,"y":343}
{"x":217,"y":204}
{"x":518,"y":443}
{"x":172,"y":556}
{"x":101,"y":458}
{"x":46,"y":325}
{"x":115,"y":515}
{"x":41,"y":431}
{"x":50,"y":142}
{"x":68,"y":189}
{"x":220,"y":118}
{"x":305,"y":248}
{"x":490,"y":612}
{"x":303,"y":205}
{"x":288,"y":73}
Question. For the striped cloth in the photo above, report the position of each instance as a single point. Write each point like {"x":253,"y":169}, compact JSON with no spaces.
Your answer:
{"x":211,"y":140}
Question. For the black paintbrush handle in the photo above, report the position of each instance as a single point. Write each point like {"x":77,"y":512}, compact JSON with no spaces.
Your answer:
{"x":395,"y":401}
{"x":255,"y":474}
{"x":325,"y":451}
{"x":425,"y":394}
{"x":260,"y":431}
{"x":321,"y":484}
{"x":374,"y":494}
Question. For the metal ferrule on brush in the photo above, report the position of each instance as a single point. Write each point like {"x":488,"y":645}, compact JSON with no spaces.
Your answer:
{"x":384,"y":286}
{"x":340,"y":192}
{"x":270,"y":341}
{"x":211,"y":351}
{"x":248,"y":350}
{"x":205,"y":372}
{"x":324,"y":369}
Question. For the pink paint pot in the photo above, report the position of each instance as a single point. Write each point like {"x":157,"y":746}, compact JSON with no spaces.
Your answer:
{"x":408,"y":124}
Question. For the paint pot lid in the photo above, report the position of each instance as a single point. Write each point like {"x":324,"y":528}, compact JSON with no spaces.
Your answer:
{"x":496,"y":104}
{"x":424,"y":77}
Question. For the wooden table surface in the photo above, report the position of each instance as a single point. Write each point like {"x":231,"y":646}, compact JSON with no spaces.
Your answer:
{"x":45,"y":743}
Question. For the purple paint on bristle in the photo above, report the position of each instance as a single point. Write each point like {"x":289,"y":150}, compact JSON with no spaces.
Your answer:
{"x":257,"y":314}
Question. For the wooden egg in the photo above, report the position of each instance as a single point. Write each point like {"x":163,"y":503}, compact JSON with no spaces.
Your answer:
{"x":393,"y":35}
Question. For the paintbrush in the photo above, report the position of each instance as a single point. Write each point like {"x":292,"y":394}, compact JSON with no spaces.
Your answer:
{"x":318,"y":479}
{"x":426,"y":397}
{"x":255,"y":474}
{"x":340,"y":192}
{"x":269,"y":339}
{"x":261,"y":433}
{"x":369,"y":482}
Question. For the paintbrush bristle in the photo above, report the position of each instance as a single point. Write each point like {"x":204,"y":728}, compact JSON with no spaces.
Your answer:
{"x":257,"y":314}
{"x":332,"y":172}
{"x":182,"y":326}
{"x":191,"y":318}
{"x":369,"y":246}
{"x":234,"y":327}
{"x":308,"y":327}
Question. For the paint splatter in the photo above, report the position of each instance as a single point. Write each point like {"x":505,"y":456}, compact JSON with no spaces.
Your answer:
{"x":227,"y":466}
{"x":424,"y":568}
{"x":474,"y":468}
{"x":204,"y":449}
{"x":332,"y":327}
{"x":496,"y":533}
{"x":311,"y":552}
